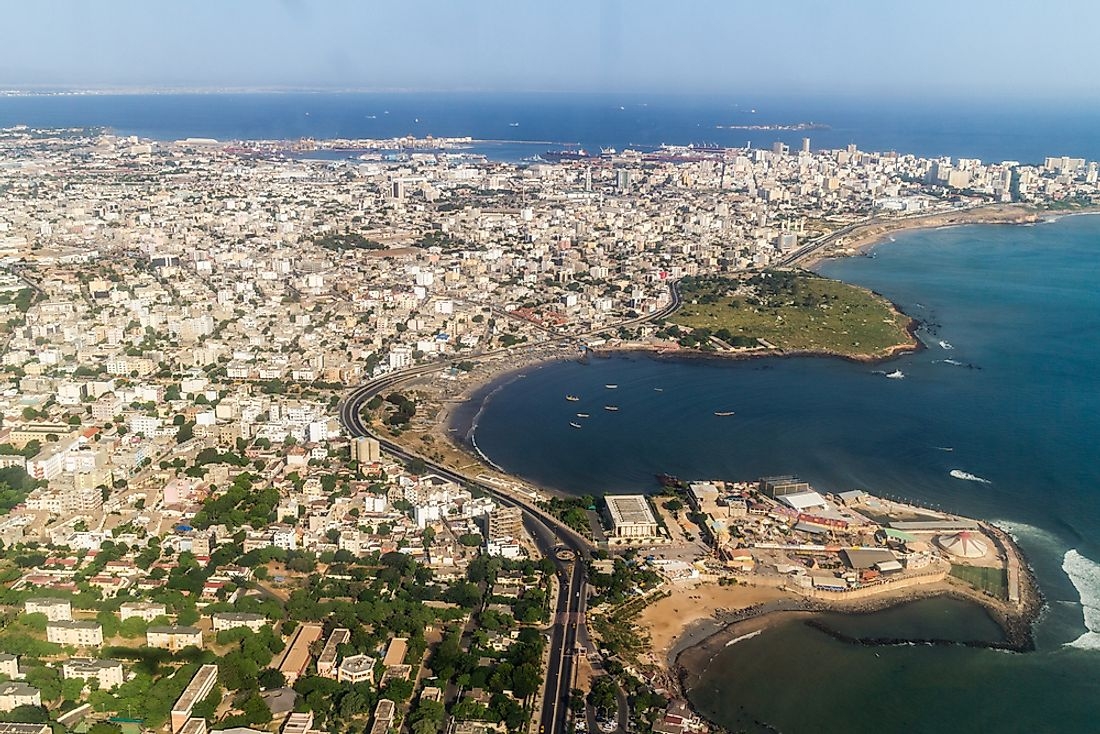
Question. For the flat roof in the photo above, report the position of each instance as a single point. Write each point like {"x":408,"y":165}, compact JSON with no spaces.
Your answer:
{"x":395,"y":653}
{"x":803,"y":500}
{"x":204,"y":677}
{"x":866,"y":557}
{"x":629,"y":509}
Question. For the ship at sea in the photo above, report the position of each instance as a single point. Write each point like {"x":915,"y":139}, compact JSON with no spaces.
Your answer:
{"x":572,"y":398}
{"x":559,"y":156}
{"x":611,"y":408}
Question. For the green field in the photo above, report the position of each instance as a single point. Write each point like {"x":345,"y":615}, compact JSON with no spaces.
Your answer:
{"x":990,"y":580}
{"x":789,"y":310}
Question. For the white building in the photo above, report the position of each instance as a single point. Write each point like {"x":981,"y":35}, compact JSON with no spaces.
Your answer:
{"x":631,"y":516}
{"x":56,"y":610}
{"x":78,"y":634}
{"x":107,"y":672}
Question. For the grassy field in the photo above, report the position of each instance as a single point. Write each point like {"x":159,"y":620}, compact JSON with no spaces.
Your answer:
{"x":789,"y":310}
{"x":990,"y":580}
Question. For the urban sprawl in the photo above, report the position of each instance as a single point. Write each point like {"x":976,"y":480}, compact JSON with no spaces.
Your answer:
{"x":195,"y":539}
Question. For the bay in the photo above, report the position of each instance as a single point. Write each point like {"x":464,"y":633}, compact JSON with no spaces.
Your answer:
{"x":1018,"y":311}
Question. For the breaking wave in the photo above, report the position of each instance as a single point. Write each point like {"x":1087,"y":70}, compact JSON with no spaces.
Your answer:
{"x":1085,"y":576}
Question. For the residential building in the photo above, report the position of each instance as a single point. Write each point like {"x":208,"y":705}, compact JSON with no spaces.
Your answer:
{"x":173,"y":637}
{"x":108,"y":673}
{"x":56,"y":610}
{"x":198,"y":689}
{"x":78,"y":633}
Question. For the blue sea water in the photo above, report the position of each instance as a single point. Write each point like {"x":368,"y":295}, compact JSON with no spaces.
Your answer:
{"x":1009,"y":130}
{"x":1020,"y":306}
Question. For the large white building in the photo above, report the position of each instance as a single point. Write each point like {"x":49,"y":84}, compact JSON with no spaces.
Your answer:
{"x":14,"y":695}
{"x":79,"y":634}
{"x":107,"y":672}
{"x":631,"y":516}
{"x":56,"y":610}
{"x":147,"y":611}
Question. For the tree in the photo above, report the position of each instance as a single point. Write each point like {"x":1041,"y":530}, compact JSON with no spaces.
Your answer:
{"x":255,"y":710}
{"x":271,"y":678}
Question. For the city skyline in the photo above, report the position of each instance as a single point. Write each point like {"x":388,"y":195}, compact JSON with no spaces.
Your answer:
{"x":931,"y":49}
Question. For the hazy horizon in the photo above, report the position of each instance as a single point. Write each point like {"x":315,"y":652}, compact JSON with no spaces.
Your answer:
{"x":932,"y":50}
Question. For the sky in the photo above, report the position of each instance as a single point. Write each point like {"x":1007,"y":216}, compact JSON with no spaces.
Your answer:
{"x":963,"y":47}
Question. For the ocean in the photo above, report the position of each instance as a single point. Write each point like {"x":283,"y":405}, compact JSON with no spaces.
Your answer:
{"x":1011,"y":396}
{"x":1011,"y":130}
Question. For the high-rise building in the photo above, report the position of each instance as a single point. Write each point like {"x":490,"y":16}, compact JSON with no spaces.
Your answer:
{"x":365,"y":450}
{"x":805,"y":145}
{"x":505,"y":522}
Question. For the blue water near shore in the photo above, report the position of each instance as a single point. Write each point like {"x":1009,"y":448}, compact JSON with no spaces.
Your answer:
{"x":1009,"y":130}
{"x":1019,"y":304}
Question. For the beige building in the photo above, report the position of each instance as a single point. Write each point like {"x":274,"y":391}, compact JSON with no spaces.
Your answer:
{"x":108,"y":673}
{"x":56,"y":610}
{"x":147,"y":611}
{"x":631,"y":516}
{"x":14,"y":695}
{"x":173,"y":637}
{"x":231,"y":620}
{"x":356,"y":669}
{"x":198,"y":689}
{"x":78,"y":634}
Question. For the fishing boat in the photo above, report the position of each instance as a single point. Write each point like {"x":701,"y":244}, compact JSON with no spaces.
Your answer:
{"x":658,"y":389}
{"x":575,"y":425}
{"x":582,"y":415}
{"x":572,"y":398}
{"x":611,"y":408}
{"x":611,"y":387}
{"x":723,"y":413}
{"x":895,"y":375}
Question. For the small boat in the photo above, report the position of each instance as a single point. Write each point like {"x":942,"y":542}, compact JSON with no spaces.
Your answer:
{"x":965,"y":475}
{"x":572,"y":398}
{"x":895,"y":375}
{"x":582,"y":415}
{"x":575,"y":425}
{"x":945,"y":345}
{"x":723,"y":412}
{"x":611,"y":387}
{"x":658,"y":389}
{"x":612,"y":408}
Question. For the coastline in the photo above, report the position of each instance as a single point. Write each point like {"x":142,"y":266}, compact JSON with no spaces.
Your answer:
{"x":873,"y":232}
{"x":707,"y":627}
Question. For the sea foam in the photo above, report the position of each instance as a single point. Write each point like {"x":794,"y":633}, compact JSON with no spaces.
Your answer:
{"x":742,"y":638}
{"x":1085,"y":576}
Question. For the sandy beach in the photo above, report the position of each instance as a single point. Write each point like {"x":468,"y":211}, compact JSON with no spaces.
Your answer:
{"x":874,"y":231}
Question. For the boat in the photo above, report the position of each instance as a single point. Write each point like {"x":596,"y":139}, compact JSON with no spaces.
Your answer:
{"x":945,"y":345}
{"x":582,"y":415}
{"x":572,"y":398}
{"x":558,"y":156}
{"x":611,"y":387}
{"x":895,"y":375}
{"x":575,"y":425}
{"x":658,"y":389}
{"x":612,"y":408}
{"x":723,"y":412}
{"x":960,"y":474}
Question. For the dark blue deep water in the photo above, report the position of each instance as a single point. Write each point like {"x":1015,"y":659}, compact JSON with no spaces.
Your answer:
{"x":1020,"y":305}
{"x":1012,"y":130}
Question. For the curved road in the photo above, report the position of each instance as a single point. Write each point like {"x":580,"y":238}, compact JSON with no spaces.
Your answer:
{"x":548,"y":532}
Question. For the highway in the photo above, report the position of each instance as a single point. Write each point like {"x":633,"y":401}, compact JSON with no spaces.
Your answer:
{"x":549,"y":533}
